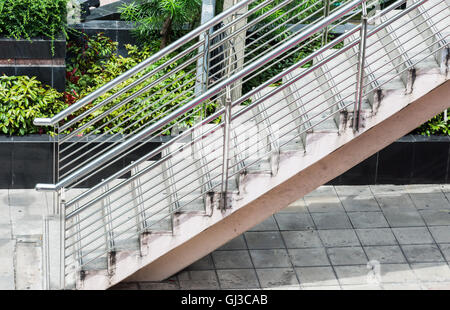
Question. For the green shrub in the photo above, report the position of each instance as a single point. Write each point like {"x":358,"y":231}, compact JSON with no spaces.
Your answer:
{"x":94,"y":62}
{"x":437,"y":126}
{"x":22,"y":99}
{"x":159,"y":19}
{"x":24,"y":19}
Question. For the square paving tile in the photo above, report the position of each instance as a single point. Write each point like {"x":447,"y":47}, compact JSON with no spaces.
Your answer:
{"x":301,"y":239}
{"x":237,"y":243}
{"x":388,"y":190}
{"x":422,"y":253}
{"x":331,"y":220}
{"x":412,"y":235}
{"x":205,"y":263}
{"x":316,"y":276}
{"x":357,"y":274}
{"x":264,"y":240}
{"x":368,"y":219}
{"x":325,"y":202}
{"x":385,"y":254}
{"x":308,"y":257}
{"x":431,"y":272}
{"x":436,"y":217}
{"x":445,"y":248}
{"x":430,"y":201}
{"x":397,"y":202}
{"x":357,"y":198}
{"x":277,"y":277}
{"x":294,"y":221}
{"x":397,"y":273}
{"x":339,"y":237}
{"x":238,"y":279}
{"x":267,"y":225}
{"x":270,"y":258}
{"x":165,"y":285}
{"x":403,"y":218}
{"x":441,"y":233}
{"x":198,"y":280}
{"x":376,"y":236}
{"x":347,"y":256}
{"x":232,"y":259}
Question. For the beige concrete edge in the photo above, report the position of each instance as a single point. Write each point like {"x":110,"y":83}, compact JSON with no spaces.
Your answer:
{"x":348,"y":155}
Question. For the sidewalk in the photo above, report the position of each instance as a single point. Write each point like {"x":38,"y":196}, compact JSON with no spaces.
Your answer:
{"x":343,"y":237}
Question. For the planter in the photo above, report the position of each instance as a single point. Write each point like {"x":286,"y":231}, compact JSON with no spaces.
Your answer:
{"x":28,"y":160}
{"x":35,"y":58}
{"x":412,"y":159}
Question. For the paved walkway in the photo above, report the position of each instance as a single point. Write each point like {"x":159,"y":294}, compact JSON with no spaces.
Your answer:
{"x":343,"y":237}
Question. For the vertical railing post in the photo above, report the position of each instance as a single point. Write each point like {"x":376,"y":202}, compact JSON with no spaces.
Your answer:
{"x":326,"y":8}
{"x":62,"y":239}
{"x":361,"y":69}
{"x":226,"y":148}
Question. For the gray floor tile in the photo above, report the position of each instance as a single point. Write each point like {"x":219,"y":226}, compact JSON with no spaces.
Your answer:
{"x":238,"y":279}
{"x":231,"y":259}
{"x":368,"y":219}
{"x":403,"y":218}
{"x":388,"y":190}
{"x":297,"y":206}
{"x":270,"y":258}
{"x":441,"y":233}
{"x":433,"y":286}
{"x":354,"y":191}
{"x":431,"y":272}
{"x":324,"y":203}
{"x":308,"y":257}
{"x":237,"y":243}
{"x":331,"y":220}
{"x":396,"y":202}
{"x":412,"y":235}
{"x":402,"y":286}
{"x":277,"y":277}
{"x":365,"y":287}
{"x":359,"y":204}
{"x":316,"y":276}
{"x":301,"y":239}
{"x":422,"y":253}
{"x":159,"y":285}
{"x":445,"y":248}
{"x":339,"y":237}
{"x":205,"y":263}
{"x":264,"y":240}
{"x":436,"y":217}
{"x":198,"y":280}
{"x":430,"y":201}
{"x":376,"y":236}
{"x":385,"y":254}
{"x":347,"y":256}
{"x":397,"y":273}
{"x":357,"y":274}
{"x":294,"y":221}
{"x":267,"y":225}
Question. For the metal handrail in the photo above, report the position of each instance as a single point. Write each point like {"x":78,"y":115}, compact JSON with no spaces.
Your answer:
{"x":146,"y":63}
{"x":99,"y":161}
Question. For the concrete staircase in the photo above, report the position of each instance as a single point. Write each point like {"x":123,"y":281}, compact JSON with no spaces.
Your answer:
{"x":294,"y":141}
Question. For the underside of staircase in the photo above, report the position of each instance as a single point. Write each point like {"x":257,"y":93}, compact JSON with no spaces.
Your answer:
{"x":307,"y":148}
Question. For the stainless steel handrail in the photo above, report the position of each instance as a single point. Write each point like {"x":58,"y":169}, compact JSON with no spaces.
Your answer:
{"x":99,"y":161}
{"x":146,"y":63}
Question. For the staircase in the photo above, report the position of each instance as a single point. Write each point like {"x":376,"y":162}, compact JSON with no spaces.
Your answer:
{"x":126,"y":211}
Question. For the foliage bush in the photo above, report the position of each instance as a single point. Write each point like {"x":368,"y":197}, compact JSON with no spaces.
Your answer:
{"x":437,"y":126}
{"x":24,"y":19}
{"x":94,"y":62}
{"x":159,"y":19}
{"x":22,"y":99}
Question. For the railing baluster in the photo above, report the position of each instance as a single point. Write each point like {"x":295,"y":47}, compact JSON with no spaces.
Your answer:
{"x":361,"y":68}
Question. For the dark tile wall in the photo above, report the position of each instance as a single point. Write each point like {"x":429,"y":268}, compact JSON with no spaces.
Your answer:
{"x":410,"y":160}
{"x":25,"y":161}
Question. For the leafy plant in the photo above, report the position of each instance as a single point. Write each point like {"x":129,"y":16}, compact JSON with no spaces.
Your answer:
{"x":160,"y":18}
{"x":24,"y":19}
{"x":437,"y":126}
{"x":22,"y":99}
